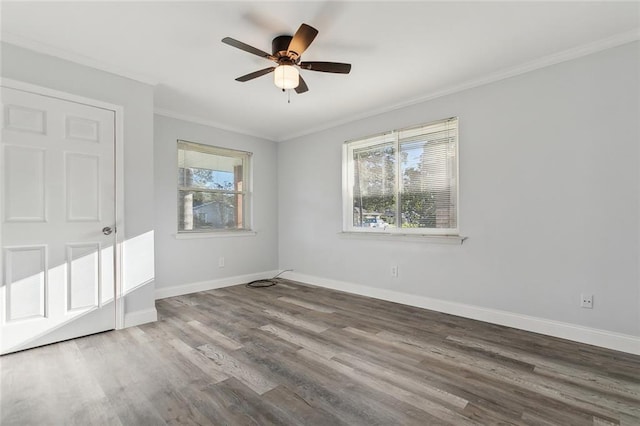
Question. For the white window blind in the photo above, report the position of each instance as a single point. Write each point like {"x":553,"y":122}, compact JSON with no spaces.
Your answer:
{"x":404,"y":181}
{"x":213,"y":188}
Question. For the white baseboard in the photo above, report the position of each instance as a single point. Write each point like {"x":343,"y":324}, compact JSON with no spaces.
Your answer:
{"x":140,"y":317}
{"x":577,"y":333}
{"x":179,"y":290}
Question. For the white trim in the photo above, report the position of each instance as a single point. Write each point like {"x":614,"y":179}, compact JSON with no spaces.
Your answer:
{"x":546,"y":61}
{"x":120,"y":222}
{"x":144,"y":316}
{"x":556,"y":58}
{"x":119,"y":171}
{"x":52,"y":93}
{"x":591,"y":336}
{"x":189,"y":288}
{"x":67,"y":55}
{"x":209,"y":123}
{"x":214,"y":234}
{"x":418,"y":238}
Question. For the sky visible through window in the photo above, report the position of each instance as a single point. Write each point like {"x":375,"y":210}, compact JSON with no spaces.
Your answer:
{"x":413,"y":158}
{"x":212,"y":179}
{"x":223,"y":179}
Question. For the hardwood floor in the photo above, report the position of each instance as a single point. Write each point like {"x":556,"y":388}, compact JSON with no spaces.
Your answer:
{"x":299,"y":355}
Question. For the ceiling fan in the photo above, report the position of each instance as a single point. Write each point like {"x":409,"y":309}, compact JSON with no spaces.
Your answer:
{"x":287,"y":52}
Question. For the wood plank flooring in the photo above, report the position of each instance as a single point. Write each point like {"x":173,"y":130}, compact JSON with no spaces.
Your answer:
{"x":294,"y":354}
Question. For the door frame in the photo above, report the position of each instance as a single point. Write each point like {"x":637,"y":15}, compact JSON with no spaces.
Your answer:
{"x":118,"y":111}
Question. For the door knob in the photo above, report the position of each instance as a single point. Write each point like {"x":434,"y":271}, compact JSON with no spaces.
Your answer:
{"x":107,"y":230}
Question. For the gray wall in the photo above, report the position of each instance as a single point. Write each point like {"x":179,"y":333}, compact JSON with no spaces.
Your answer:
{"x":181,"y":262}
{"x":549,"y":198}
{"x":550,"y":193}
{"x":137,"y":101}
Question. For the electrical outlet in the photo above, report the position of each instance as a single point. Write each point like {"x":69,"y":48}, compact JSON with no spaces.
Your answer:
{"x":586,"y":301}
{"x":394,"y":271}
{"x":221,"y":262}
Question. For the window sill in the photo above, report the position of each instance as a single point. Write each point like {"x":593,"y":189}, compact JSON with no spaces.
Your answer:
{"x":387,"y":236}
{"x":219,"y":234}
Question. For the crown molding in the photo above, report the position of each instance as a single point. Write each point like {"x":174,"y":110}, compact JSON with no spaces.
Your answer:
{"x":210,"y":123}
{"x":46,"y":49}
{"x":556,"y":58}
{"x":546,"y":61}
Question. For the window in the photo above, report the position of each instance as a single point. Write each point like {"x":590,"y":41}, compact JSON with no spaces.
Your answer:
{"x":213,"y":188}
{"x":404,"y":181}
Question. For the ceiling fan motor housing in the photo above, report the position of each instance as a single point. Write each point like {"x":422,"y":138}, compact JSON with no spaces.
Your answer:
{"x":280,"y":46}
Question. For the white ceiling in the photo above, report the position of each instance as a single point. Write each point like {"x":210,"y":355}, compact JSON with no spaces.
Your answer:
{"x":401,"y":52}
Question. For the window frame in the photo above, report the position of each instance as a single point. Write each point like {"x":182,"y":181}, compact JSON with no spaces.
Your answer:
{"x":394,"y":137}
{"x":246,"y":193}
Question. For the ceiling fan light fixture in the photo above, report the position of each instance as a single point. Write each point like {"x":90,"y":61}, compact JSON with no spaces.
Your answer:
{"x":286,"y":77}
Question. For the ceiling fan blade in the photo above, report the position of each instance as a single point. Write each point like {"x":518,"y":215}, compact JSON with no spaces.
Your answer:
{"x":243,"y":46}
{"x":301,"y":40}
{"x":302,"y":86}
{"x":255,"y":74}
{"x":334,"y":67}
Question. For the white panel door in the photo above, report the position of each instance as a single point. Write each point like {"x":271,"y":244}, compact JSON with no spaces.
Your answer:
{"x":58,"y":208}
